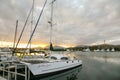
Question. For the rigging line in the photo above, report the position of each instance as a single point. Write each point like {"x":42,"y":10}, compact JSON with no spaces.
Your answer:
{"x":52,"y":1}
{"x":39,"y":18}
{"x":23,"y":29}
{"x":15,"y":36}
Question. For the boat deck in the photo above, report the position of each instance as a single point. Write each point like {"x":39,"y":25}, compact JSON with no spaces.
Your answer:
{"x":35,"y":61}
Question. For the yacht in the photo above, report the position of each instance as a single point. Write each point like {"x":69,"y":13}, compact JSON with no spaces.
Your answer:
{"x":51,"y":63}
{"x":48,"y":65}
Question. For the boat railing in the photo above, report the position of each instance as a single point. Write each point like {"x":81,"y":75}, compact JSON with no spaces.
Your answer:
{"x":9,"y":71}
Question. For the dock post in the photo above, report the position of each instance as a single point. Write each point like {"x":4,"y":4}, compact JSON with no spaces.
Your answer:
{"x":8,"y":74}
{"x":25,"y":72}
{"x":28,"y":74}
{"x":15,"y":72}
{"x":3,"y":71}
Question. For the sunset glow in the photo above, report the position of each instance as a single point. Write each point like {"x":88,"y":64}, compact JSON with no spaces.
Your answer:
{"x":66,"y":46}
{"x":21,"y":45}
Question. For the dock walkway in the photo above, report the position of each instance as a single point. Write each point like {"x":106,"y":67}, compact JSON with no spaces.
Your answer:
{"x":1,"y":78}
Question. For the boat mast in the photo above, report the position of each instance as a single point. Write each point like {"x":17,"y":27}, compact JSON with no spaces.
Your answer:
{"x":51,"y":25}
{"x":31,"y":23}
{"x":22,"y":30}
{"x":36,"y":25}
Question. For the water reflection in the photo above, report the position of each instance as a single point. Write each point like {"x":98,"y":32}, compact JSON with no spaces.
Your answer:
{"x":108,"y":60}
{"x":67,"y":75}
{"x":100,"y":66}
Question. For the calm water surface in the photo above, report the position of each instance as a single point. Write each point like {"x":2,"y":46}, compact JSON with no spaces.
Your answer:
{"x":96,"y":66}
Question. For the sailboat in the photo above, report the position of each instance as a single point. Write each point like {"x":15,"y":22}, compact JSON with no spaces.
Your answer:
{"x":54,"y":63}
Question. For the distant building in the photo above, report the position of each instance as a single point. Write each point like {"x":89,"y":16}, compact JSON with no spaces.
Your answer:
{"x":113,"y":50}
{"x":86,"y":50}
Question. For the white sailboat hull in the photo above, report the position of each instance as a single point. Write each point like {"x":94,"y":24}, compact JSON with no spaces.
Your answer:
{"x":44,"y":68}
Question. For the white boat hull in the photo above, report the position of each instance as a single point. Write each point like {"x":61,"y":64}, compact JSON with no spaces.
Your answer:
{"x":44,"y":68}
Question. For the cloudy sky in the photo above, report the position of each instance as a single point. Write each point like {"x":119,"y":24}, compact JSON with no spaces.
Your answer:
{"x":76,"y":22}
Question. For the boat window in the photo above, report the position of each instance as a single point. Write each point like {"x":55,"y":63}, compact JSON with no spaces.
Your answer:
{"x":47,"y":56}
{"x":52,"y":57}
{"x":64,"y":58}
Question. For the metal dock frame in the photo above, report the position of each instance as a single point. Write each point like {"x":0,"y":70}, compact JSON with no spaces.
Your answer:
{"x":14,"y":66}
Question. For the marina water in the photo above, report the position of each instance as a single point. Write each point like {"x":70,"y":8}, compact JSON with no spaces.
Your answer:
{"x":96,"y":66}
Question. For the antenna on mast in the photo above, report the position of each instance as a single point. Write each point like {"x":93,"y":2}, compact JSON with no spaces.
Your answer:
{"x":104,"y":42}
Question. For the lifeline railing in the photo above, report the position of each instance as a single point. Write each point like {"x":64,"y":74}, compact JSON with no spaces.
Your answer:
{"x":10,"y":72}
